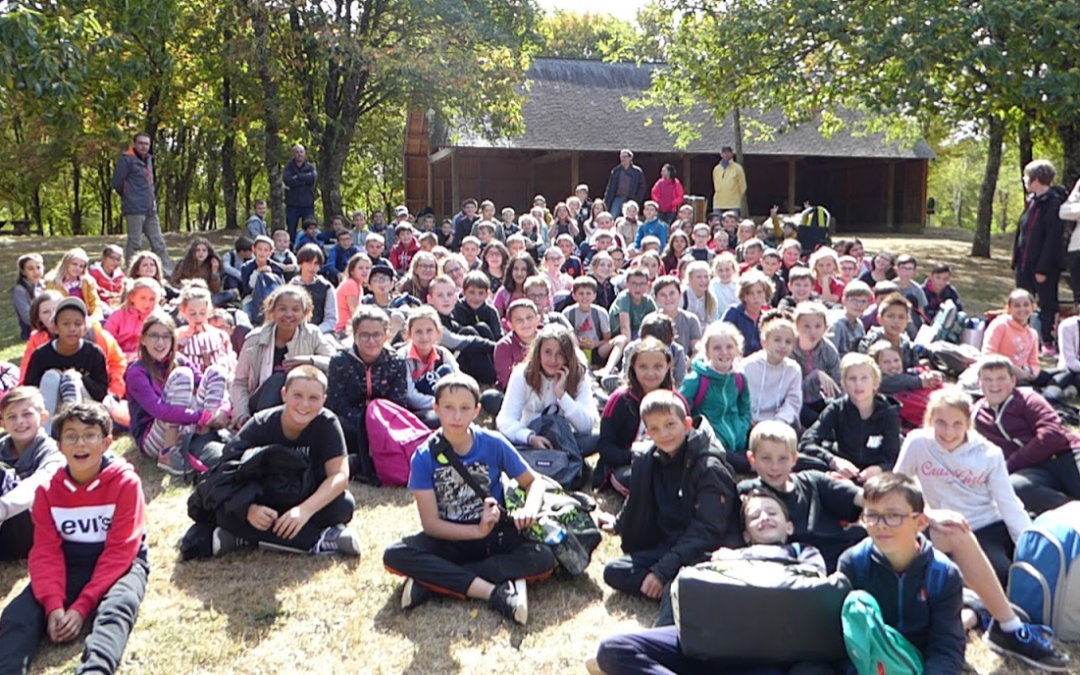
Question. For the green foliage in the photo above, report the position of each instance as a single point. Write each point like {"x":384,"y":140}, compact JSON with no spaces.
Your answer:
{"x":570,"y":35}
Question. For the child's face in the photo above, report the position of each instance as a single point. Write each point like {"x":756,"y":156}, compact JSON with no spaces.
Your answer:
{"x":485,"y":236}
{"x":950,"y":427}
{"x":801,"y":288}
{"x":447,"y":228}
{"x":701,"y":237}
{"x":456,"y":409}
{"x":686,"y":213}
{"x":603,"y":243}
{"x":855,"y":304}
{"x":540,"y":296}
{"x":262,"y":251}
{"x":650,"y":212}
{"x":519,"y":271}
{"x":678,"y":245}
{"x":770,"y":265}
{"x":668,"y":298}
{"x":905,"y":272}
{"x":939,"y":281}
{"x":524,"y":322}
{"x":287,"y":312}
{"x":667,"y":430}
{"x":585,"y":296}
{"x":699,"y":281}
{"x":158,"y":342}
{"x":604,"y":222}
{"x":997,"y":384}
{"x":470,"y":251}
{"x":309,"y":268}
{"x":405,"y":237}
{"x":553,"y":261}
{"x":70,"y":327}
{"x":847,"y":270}
{"x":653,"y":266}
{"x":856,"y":251}
{"x":811,"y":329}
{"x":765,"y":522}
{"x":45,"y":314}
{"x":369,"y":338}
{"x":566,"y":247}
{"x":196,"y":312}
{"x":859,"y":383}
{"x":791,"y":256}
{"x":618,"y":259}
{"x":83,"y":445}
{"x":779,"y":344}
{"x":469,"y":210}
{"x":374,"y":248}
{"x":201,"y":253}
{"x":312,"y":231}
{"x":882,"y":262}
{"x":22,"y":421}
{"x":442,"y":297}
{"x":826,"y":267}
{"x":303,"y":400}
{"x":1021,"y":309}
{"x":75,"y":268}
{"x":754,"y":298}
{"x":508,"y":216}
{"x":345,"y":240}
{"x":143,"y":300}
{"x":515,"y":247}
{"x":110,"y":261}
{"x":772,"y":461}
{"x":552,"y":359}
{"x":901,"y":538}
{"x":637,"y":285}
{"x":359,"y":221}
{"x":890,"y":363}
{"x":726,"y":272}
{"x":281,"y":240}
{"x":752,"y":256}
{"x":650,"y":369}
{"x":631,"y":212}
{"x":729,"y":223}
{"x":475,"y":296}
{"x":722,"y":353}
{"x":426,"y":268}
{"x":601,"y":269}
{"x":362,"y":270}
{"x":33,"y":271}
{"x":424,"y":335}
{"x":894,"y":321}
{"x":380,"y":284}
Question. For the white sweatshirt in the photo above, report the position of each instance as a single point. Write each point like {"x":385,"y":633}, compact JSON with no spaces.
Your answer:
{"x":971,"y":479}
{"x":522,"y":405}
{"x":775,"y":391}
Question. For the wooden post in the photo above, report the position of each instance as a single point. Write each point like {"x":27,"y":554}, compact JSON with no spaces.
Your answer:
{"x":455,"y":183}
{"x":575,"y":177}
{"x":890,"y":196}
{"x":791,"y":193}
{"x":686,"y":174}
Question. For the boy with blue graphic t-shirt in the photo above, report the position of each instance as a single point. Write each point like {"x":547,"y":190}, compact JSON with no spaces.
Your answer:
{"x":469,"y":546}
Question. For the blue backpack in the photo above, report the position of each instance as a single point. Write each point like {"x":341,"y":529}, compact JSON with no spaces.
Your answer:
{"x":265,"y":283}
{"x":1044,"y":579}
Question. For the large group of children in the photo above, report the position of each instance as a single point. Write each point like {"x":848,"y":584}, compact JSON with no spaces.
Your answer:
{"x":675,"y":356}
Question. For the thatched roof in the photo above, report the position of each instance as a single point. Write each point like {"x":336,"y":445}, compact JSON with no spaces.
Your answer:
{"x":578,"y":105}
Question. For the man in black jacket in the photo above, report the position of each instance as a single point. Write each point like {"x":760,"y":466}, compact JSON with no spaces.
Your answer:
{"x":1038,"y":253}
{"x":133,"y":180}
{"x":679,"y":507}
{"x":299,"y":178}
{"x":627,"y":182}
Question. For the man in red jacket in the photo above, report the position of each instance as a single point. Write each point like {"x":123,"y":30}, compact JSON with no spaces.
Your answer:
{"x":88,"y":561}
{"x":1038,"y":448}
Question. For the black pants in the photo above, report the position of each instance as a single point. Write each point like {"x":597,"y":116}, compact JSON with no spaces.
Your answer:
{"x":1048,"y":485}
{"x":337,"y":512}
{"x":1074,"y":275}
{"x":16,"y":537}
{"x":998,"y":547}
{"x":626,"y":572}
{"x":23,"y":622}
{"x":449,"y":567}
{"x":1047,"y":294}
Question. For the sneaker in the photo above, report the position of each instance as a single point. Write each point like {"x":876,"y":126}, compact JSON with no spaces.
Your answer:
{"x":510,"y":600}
{"x":173,"y":462}
{"x":1031,"y":643}
{"x":593,"y":667}
{"x":1070,"y":392}
{"x":1052,"y":392}
{"x":225,"y":541}
{"x":414,"y":594}
{"x":1049,"y":350}
{"x":338,"y":539}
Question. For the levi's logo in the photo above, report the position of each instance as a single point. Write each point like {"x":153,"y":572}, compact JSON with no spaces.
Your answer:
{"x":84,"y":524}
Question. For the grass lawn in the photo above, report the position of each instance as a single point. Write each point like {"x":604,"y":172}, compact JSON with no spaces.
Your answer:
{"x":266,"y":613}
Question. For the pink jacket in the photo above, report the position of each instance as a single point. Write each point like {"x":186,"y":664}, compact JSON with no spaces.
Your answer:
{"x":668,"y":194}
{"x":125,"y":324}
{"x":1019,"y":343}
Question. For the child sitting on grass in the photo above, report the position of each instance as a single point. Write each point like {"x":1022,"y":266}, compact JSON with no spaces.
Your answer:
{"x":32,"y":458}
{"x":846,"y":329}
{"x":469,"y":546}
{"x":818,"y":360}
{"x":81,"y":573}
{"x":427,"y":360}
{"x":1011,"y":336}
{"x":857,"y":435}
{"x":631,"y":305}
{"x":800,"y":283}
{"x":125,"y":324}
{"x":773,"y":378}
{"x":592,"y":324}
{"x":755,"y":289}
{"x":666,"y":291}
{"x":911,"y":387}
{"x":716,"y":389}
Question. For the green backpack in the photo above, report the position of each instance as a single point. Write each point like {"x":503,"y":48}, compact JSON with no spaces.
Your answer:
{"x":874,"y":647}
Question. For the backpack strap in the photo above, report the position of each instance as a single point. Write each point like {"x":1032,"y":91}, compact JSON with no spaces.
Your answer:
{"x":740,"y":383}
{"x":595,"y":314}
{"x":442,"y":449}
{"x":699,"y":395}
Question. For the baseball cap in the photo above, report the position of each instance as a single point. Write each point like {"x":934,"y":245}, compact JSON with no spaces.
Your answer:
{"x":70,"y":303}
{"x":384,"y":270}
{"x":401,"y":211}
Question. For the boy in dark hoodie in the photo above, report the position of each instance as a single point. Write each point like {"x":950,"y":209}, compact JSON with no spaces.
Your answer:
{"x":680,"y":504}
{"x":473,"y":309}
{"x":88,"y":562}
{"x":28,"y":460}
{"x":857,"y":435}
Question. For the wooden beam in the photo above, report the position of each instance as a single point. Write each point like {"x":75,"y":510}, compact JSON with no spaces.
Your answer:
{"x":686,"y":174}
{"x":890,"y":195}
{"x":455,"y":183}
{"x":791,"y":193}
{"x":575,"y":171}
{"x":550,"y":157}
{"x":439,"y":156}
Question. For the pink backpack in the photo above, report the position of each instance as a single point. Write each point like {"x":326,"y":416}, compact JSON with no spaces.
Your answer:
{"x":394,"y":434}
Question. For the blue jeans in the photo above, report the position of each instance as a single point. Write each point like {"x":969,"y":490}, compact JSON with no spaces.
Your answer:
{"x":294,"y":215}
{"x":656,"y":651}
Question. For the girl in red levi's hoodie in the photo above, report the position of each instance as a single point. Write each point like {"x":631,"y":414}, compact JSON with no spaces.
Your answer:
{"x":88,"y":561}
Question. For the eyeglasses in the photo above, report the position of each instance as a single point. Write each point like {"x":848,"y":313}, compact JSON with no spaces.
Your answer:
{"x":370,"y":337}
{"x":159,"y":337}
{"x":887,"y":519}
{"x":89,"y":438}
{"x":425,"y":266}
{"x":536,"y":296}
{"x":453,"y":270}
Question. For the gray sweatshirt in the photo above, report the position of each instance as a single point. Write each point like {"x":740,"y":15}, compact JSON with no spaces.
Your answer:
{"x":775,"y":391}
{"x":32,"y":468}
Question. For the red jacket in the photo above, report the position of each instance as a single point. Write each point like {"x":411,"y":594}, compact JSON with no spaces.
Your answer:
{"x":1026,"y":428}
{"x":668,"y":194}
{"x":99,"y":525}
{"x":400,"y":257}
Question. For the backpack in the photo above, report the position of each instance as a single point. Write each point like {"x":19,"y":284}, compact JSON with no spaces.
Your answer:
{"x":571,"y":511}
{"x":564,"y":461}
{"x":1044,"y":579}
{"x":703,"y":388}
{"x":874,"y":647}
{"x":265,"y":284}
{"x":394,"y":434}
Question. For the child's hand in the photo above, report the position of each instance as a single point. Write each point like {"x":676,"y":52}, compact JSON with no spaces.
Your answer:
{"x":489,"y":518}
{"x":539,"y":442}
{"x":261,"y":517}
{"x":946,"y":521}
{"x":64,"y":626}
{"x":585,"y":343}
{"x":524,"y":518}
{"x":868,"y":473}
{"x":829,"y":387}
{"x":844,"y":467}
{"x":560,"y":381}
{"x":652,"y":587}
{"x":289,"y":524}
{"x":606,"y":521}
{"x":931,"y":379}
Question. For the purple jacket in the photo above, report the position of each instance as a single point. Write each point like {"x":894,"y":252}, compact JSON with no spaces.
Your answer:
{"x":1026,"y":429}
{"x":146,"y":399}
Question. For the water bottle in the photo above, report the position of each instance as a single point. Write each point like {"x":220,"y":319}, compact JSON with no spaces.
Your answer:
{"x":554,"y":533}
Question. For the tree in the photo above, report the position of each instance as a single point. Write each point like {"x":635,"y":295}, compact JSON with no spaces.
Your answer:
{"x":571,"y":35}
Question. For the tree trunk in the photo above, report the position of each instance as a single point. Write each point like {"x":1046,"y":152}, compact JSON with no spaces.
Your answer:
{"x":76,"y":188}
{"x":345,"y":85}
{"x":271,"y":127}
{"x":1069,"y":133}
{"x":1027,"y":150}
{"x":228,"y":148}
{"x":980,"y":247}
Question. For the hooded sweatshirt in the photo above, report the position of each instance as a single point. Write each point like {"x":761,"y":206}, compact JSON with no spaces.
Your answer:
{"x":726,"y":403}
{"x":1020,"y":343}
{"x":1026,"y":428}
{"x":822,"y":358}
{"x":840,"y":431}
{"x":33,"y":468}
{"x":775,"y":391}
{"x":99,"y":525}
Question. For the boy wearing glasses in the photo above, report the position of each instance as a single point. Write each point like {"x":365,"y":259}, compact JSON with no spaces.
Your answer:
{"x":88,"y":561}
{"x":846,"y":330}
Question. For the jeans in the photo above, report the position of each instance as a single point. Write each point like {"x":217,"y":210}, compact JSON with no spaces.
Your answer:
{"x":148,"y":224}
{"x":1048,"y":485}
{"x":657,"y":651}
{"x":295,"y":215}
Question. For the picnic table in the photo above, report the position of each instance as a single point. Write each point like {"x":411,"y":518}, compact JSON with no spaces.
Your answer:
{"x":20,"y":228}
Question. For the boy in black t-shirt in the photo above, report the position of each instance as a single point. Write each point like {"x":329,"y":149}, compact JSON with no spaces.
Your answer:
{"x":317,"y":524}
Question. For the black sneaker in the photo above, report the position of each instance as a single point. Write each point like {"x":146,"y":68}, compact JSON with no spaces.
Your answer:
{"x":225,"y":541}
{"x":509,"y":599}
{"x":1031,"y":643}
{"x":414,"y":594}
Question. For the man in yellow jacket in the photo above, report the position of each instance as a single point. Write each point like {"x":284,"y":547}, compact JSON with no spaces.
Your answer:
{"x":729,"y":183}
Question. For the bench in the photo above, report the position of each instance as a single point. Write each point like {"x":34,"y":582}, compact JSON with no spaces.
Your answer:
{"x":20,"y":228}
